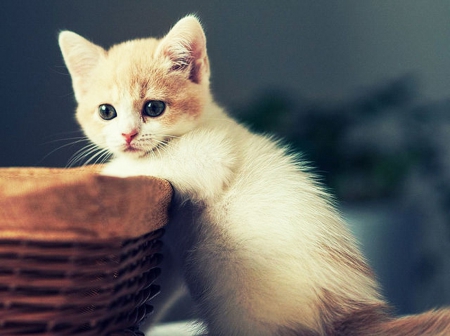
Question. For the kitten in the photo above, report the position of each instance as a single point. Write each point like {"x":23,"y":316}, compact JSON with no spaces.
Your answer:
{"x":259,"y":244}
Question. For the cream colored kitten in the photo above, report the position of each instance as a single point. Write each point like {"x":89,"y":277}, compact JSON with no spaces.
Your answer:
{"x":260,"y":246}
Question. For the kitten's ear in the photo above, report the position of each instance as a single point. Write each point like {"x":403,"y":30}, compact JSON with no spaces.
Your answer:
{"x":185,"y":47}
{"x":81,"y":57}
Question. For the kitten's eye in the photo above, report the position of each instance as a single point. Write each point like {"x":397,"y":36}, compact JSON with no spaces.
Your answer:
{"x":154,"y":108}
{"x":107,"y":111}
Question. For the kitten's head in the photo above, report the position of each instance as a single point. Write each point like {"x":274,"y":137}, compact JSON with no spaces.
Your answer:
{"x":141,"y":93}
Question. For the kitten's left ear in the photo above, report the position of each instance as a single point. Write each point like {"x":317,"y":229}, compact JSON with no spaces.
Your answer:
{"x":185,"y":47}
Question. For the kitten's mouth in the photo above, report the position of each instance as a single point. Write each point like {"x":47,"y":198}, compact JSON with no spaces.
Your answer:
{"x":130,"y":149}
{"x":134,"y":151}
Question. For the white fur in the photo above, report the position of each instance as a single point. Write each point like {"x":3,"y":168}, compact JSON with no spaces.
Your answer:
{"x":260,"y":247}
{"x":272,"y":216}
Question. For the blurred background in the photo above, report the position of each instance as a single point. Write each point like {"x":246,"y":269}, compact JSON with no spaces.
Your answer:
{"x":361,"y":88}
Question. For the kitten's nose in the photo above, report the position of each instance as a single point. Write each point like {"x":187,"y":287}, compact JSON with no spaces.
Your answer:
{"x":130,"y":136}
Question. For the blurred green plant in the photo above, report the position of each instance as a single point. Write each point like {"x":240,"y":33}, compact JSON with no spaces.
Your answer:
{"x":364,"y":148}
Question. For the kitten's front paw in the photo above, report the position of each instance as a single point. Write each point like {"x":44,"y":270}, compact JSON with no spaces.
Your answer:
{"x":123,"y":167}
{"x":207,"y":166}
{"x":113,"y":169}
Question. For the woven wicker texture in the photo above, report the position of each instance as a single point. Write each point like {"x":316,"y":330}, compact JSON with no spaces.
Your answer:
{"x":64,"y":270}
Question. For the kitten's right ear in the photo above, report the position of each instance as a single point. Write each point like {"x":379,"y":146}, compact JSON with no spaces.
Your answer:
{"x":81,"y":57}
{"x":185,"y":47}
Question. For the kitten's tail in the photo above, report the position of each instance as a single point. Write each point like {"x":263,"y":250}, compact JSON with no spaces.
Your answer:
{"x":432,"y":323}
{"x":378,"y":322}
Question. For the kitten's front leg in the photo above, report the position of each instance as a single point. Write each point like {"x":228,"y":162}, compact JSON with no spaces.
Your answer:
{"x":199,"y":165}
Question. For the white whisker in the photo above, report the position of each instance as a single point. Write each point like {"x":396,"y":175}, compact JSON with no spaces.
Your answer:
{"x":98,"y":157}
{"x":64,"y":134}
{"x":106,"y":157}
{"x":75,"y":140}
{"x":158,"y":151}
{"x":83,"y":153}
{"x":169,"y":136}
{"x":71,"y":143}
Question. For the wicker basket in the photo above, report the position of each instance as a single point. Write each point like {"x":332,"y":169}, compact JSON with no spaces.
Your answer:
{"x":78,"y":251}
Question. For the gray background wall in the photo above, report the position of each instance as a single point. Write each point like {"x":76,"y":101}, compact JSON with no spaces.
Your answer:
{"x":317,"y":51}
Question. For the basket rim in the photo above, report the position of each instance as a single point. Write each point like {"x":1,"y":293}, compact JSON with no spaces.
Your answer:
{"x":79,"y":204}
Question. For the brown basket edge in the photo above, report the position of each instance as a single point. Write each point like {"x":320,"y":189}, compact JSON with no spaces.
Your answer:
{"x":52,"y":211}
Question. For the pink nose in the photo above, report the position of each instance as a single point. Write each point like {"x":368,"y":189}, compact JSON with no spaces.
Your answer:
{"x":129,"y":136}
